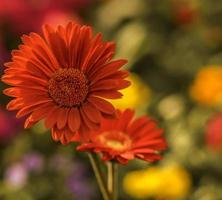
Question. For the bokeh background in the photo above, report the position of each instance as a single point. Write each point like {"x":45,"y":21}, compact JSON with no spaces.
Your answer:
{"x":174,"y":48}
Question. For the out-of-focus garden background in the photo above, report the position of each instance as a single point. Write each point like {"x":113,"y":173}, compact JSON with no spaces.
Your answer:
{"x":174,"y":48}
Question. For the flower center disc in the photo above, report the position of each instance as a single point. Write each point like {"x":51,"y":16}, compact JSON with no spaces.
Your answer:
{"x":68,"y":87}
{"x":115,"y":140}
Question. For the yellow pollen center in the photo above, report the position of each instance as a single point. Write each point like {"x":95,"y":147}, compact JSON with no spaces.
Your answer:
{"x":68,"y":87}
{"x":114,"y":144}
{"x":115,"y":140}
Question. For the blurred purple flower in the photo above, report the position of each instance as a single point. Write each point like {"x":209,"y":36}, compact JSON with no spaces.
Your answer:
{"x":60,"y":163}
{"x":16,"y":175}
{"x":9,"y":126}
{"x":33,"y":162}
{"x":78,"y":183}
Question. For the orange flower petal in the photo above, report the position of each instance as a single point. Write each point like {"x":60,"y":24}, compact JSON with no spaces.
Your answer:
{"x":92,"y":112}
{"x":62,"y":117}
{"x":51,"y":118}
{"x":74,"y":119}
{"x":102,"y":105}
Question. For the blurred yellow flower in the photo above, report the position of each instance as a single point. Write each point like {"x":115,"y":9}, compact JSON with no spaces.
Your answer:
{"x":207,"y":86}
{"x":136,"y":96}
{"x":177,"y":182}
{"x":171,"y":182}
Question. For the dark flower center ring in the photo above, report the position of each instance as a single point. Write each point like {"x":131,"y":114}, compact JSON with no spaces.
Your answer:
{"x":68,"y":87}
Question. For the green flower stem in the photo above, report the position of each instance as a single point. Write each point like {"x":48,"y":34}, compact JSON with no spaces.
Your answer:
{"x":112,"y":180}
{"x":99,"y":176}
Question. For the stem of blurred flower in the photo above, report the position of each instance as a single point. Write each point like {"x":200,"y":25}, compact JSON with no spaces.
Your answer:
{"x":99,"y":176}
{"x":112,"y":180}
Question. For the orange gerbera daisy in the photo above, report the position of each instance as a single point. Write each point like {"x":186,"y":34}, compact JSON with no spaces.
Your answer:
{"x":124,"y":139}
{"x":63,"y":78}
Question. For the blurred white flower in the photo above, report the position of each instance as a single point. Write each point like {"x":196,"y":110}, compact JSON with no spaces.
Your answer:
{"x":16,"y":176}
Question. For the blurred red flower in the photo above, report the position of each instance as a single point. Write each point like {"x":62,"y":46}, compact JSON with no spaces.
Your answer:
{"x":214,"y":132}
{"x":124,"y":139}
{"x":65,"y":78}
{"x":56,"y":18}
{"x":184,"y":12}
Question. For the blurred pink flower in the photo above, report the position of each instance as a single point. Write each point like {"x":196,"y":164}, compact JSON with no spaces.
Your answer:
{"x":214,"y":132}
{"x":9,"y":126}
{"x":19,"y":15}
{"x":28,"y":15}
